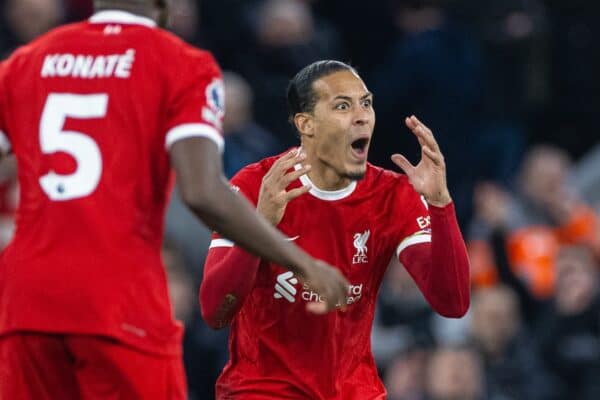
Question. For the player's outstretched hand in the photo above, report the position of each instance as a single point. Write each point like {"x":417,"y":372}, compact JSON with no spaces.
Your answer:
{"x":428,"y":177}
{"x":329,"y":283}
{"x":273,"y":196}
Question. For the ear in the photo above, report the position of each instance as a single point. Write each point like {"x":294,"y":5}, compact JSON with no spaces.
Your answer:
{"x":305,"y":124}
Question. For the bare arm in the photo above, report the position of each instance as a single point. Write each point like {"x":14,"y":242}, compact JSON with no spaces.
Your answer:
{"x":203,"y":188}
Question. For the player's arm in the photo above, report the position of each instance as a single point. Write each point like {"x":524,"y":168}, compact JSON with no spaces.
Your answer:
{"x":229,"y":277}
{"x":203,"y":188}
{"x":224,"y":286}
{"x":438,"y":263}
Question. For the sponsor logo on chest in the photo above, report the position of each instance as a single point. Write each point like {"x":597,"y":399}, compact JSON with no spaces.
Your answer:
{"x":285,"y":288}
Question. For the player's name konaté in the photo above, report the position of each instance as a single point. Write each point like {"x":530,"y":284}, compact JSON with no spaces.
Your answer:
{"x":88,"y":66}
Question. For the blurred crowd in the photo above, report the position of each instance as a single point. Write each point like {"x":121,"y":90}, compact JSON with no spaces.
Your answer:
{"x":511,"y":90}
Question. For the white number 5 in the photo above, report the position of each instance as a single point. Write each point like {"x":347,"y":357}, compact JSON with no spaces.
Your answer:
{"x":81,"y":147}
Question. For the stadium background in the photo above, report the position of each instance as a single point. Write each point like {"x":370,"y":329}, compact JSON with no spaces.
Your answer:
{"x":511,"y":89}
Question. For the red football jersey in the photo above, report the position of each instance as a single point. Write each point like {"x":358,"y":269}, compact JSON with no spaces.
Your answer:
{"x":278,"y":349}
{"x":90,"y":110}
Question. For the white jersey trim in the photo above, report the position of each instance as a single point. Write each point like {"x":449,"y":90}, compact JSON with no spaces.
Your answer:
{"x":221,"y":243}
{"x":418,"y":237}
{"x":327,"y":195}
{"x":5,"y":146}
{"x":120,"y":17}
{"x":185,"y":131}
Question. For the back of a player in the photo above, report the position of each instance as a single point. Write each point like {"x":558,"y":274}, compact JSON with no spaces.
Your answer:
{"x":90,"y":110}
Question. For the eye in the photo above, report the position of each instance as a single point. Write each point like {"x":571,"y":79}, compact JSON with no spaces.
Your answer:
{"x":342,"y":106}
{"x":367,"y":103}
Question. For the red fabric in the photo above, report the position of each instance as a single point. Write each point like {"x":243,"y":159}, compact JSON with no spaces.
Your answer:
{"x":41,"y":366}
{"x":278,"y":350}
{"x":441,"y":268}
{"x":92,"y":264}
{"x":227,"y":271}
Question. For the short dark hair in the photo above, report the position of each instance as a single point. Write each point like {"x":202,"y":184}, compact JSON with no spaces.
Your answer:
{"x":301,"y":96}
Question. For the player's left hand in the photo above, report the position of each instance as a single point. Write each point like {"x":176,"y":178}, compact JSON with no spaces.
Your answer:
{"x":428,"y":177}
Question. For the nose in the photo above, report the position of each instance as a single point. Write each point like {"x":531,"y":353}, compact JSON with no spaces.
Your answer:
{"x":362,"y":116}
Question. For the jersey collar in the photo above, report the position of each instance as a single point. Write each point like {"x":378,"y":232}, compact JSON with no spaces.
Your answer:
{"x":328,"y":195}
{"x":120,"y":17}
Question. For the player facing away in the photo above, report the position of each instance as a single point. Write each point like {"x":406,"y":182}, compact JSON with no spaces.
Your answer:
{"x":96,"y":114}
{"x":327,"y":198}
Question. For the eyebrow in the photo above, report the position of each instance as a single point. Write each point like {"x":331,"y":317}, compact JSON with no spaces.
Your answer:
{"x":348,"y":98}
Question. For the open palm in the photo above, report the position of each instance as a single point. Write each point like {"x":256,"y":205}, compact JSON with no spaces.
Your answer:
{"x":428,"y":177}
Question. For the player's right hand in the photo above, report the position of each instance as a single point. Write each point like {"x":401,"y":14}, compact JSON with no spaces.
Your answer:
{"x":273,"y":196}
{"x":329,"y":283}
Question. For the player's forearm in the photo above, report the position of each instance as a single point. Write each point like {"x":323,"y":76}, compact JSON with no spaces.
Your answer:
{"x":204,"y":190}
{"x":234,"y":218}
{"x":441,"y":269}
{"x":229,"y":276}
{"x":450,"y":276}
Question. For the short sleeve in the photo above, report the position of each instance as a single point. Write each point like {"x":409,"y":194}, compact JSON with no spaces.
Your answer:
{"x":5,"y":146}
{"x":416,"y":227}
{"x":197,"y":101}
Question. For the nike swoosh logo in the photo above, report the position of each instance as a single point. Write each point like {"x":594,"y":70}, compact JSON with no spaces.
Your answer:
{"x":292,"y":238}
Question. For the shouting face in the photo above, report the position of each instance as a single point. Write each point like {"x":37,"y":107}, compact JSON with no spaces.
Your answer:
{"x":337,"y":134}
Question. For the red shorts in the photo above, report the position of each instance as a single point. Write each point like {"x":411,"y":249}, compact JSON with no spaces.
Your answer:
{"x":43,"y":366}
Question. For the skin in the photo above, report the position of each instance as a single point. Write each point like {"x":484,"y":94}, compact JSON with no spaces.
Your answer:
{"x":198,"y":166}
{"x":156,"y":10}
{"x":344,"y":113}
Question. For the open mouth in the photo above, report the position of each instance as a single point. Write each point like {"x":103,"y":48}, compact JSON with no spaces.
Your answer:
{"x":359,"y":147}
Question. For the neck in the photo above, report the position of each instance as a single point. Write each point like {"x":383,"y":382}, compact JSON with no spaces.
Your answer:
{"x":323,"y":175}
{"x":140,"y":7}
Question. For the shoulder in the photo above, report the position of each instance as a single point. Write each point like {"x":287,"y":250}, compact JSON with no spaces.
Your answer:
{"x":390,"y":185}
{"x":181,"y":51}
{"x":40,"y":43}
{"x":381,"y":177}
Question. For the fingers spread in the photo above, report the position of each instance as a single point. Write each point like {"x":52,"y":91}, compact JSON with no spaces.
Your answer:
{"x":288,"y":161}
{"x":293,"y":175}
{"x":297,"y":192}
{"x":434,"y":156}
{"x":423,"y":133}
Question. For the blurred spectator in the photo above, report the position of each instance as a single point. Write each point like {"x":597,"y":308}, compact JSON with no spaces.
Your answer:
{"x":24,"y":20}
{"x":287,"y":37}
{"x":542,"y":214}
{"x":245,"y":141}
{"x":434,"y":70}
{"x":225,"y":29}
{"x":455,"y":374}
{"x":403,"y":316}
{"x":9,"y":198}
{"x":586,"y":177}
{"x":507,"y":63}
{"x":512,"y":368}
{"x":570,"y":329}
{"x":78,"y":10}
{"x":180,"y":282}
{"x":184,"y":19}
{"x":204,"y":351}
{"x":572,"y":120}
{"x":512,"y":35}
{"x":405,"y":377}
